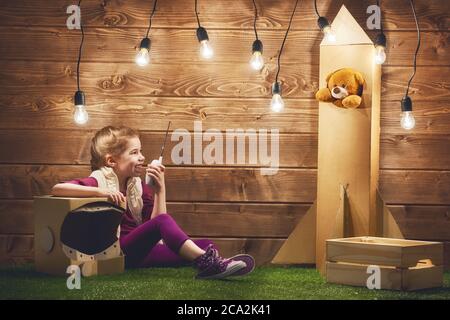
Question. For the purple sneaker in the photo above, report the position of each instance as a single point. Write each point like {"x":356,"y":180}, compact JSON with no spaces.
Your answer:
{"x":249,"y":262}
{"x":212,"y":266}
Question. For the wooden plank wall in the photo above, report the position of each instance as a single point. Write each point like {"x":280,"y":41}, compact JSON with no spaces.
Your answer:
{"x":235,"y":205}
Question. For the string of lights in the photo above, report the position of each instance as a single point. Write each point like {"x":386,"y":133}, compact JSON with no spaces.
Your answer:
{"x":80,"y":115}
{"x":407,"y":121}
{"x":380,"y":42}
{"x":257,"y":60}
{"x":324,"y":25}
{"x":277,"y":103}
{"x":143,"y":56}
{"x":206,"y":50}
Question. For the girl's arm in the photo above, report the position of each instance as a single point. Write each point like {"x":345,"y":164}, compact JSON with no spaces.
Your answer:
{"x":156,"y":171}
{"x":159,"y":204}
{"x":75,"y":190}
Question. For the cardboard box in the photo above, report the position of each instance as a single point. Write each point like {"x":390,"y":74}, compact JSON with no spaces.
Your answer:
{"x":404,"y":264}
{"x":49,"y":214}
{"x":101,"y":267}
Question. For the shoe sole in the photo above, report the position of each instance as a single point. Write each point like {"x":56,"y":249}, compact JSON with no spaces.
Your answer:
{"x":248,"y":260}
{"x":224,"y":274}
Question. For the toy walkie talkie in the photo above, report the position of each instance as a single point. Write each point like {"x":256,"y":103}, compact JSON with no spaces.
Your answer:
{"x":149,"y":180}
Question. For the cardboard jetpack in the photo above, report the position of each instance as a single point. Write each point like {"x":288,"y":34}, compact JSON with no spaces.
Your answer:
{"x":77,"y":231}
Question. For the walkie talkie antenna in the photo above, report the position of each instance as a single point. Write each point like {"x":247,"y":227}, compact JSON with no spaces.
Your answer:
{"x":164,"y":144}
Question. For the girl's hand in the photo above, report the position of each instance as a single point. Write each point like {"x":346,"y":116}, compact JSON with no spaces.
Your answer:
{"x":156,"y":172}
{"x":115,"y":197}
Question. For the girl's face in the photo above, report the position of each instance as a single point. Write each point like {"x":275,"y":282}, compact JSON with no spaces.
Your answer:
{"x":131,"y":162}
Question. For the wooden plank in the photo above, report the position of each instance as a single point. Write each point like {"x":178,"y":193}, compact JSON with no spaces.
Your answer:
{"x":356,"y":275}
{"x":219,"y":14}
{"x":422,"y":222}
{"x":16,"y":217}
{"x":415,"y":151}
{"x":128,"y":79}
{"x":295,"y":150}
{"x":360,"y":253}
{"x":432,"y":254}
{"x":415,"y":187}
{"x":415,"y":222}
{"x":16,"y":246}
{"x":237,"y":219}
{"x":44,"y":111}
{"x":390,"y":278}
{"x":180,"y":45}
{"x":288,"y":185}
{"x":152,"y":113}
{"x":262,"y":250}
{"x":423,"y":277}
{"x":19,"y":249}
{"x":383,"y":251}
{"x":431,"y":117}
{"x":199,"y":80}
{"x":237,"y":184}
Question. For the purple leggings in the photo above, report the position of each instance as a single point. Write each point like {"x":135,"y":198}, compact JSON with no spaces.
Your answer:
{"x":142,"y":249}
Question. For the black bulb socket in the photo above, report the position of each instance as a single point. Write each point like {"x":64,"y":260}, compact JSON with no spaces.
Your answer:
{"x":257,"y":46}
{"x":202,"y":35}
{"x":406,"y":104}
{"x":380,"y":40}
{"x":276,"y":88}
{"x":145,"y":44}
{"x":79,"y":98}
{"x":322,"y":22}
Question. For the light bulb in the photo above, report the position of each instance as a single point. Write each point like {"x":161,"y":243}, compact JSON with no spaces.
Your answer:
{"x":80,"y":116}
{"x":143,"y":57}
{"x":407,"y":122}
{"x":205,"y":49}
{"x":276,"y":104}
{"x":380,"y":55}
{"x":257,"y":60}
{"x":329,"y":34}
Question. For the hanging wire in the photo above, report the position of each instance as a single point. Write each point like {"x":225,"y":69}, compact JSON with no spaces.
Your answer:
{"x":81,"y":47}
{"x":254,"y":22}
{"x":196,"y":14}
{"x":284,"y":40}
{"x":418,"y":45}
{"x":151,"y":16}
{"x":381,"y":21}
{"x":315,"y":8}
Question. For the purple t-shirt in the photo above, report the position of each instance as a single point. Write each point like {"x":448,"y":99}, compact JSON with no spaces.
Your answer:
{"x":128,"y":223}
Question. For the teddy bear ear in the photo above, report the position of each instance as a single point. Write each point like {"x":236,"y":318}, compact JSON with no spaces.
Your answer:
{"x":329,"y":76}
{"x":327,"y":79}
{"x":359,"y":77}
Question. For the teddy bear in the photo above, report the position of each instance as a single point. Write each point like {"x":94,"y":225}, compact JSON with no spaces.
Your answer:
{"x":344,"y":88}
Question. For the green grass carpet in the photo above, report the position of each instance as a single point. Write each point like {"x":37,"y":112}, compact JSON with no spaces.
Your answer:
{"x":178,"y":283}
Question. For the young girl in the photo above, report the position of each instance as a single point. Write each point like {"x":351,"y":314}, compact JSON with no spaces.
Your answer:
{"x":117,"y":164}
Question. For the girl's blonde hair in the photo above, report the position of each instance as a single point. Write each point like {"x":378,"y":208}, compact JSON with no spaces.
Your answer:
{"x":109,"y":140}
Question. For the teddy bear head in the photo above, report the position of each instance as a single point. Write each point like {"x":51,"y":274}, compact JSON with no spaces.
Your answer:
{"x":345,"y":82}
{"x":344,"y":88}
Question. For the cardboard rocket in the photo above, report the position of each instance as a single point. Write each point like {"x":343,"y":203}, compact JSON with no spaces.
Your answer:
{"x":347,"y":202}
